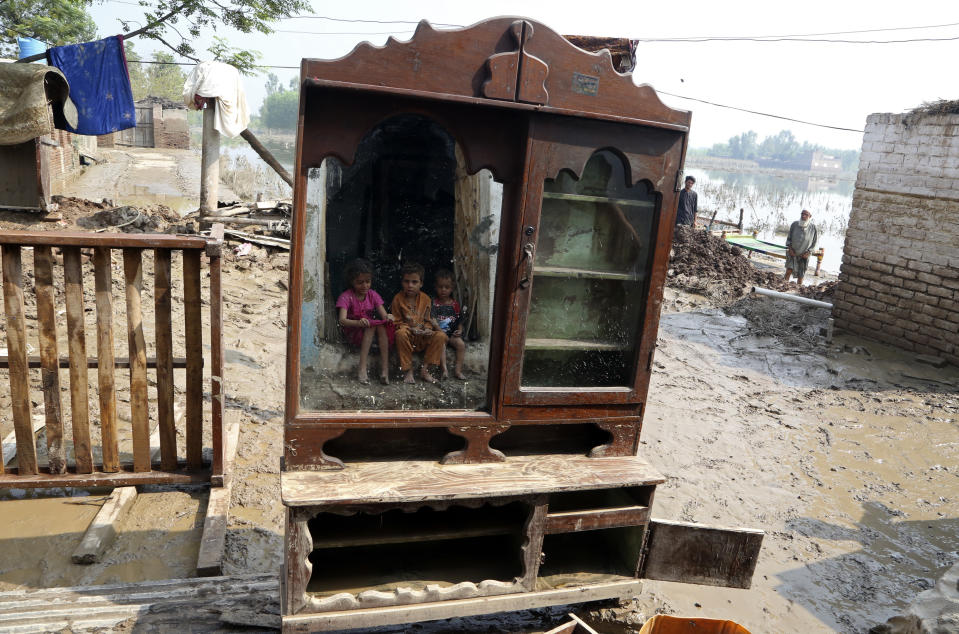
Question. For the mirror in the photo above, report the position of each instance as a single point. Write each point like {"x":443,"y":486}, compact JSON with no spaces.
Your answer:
{"x":406,"y":209}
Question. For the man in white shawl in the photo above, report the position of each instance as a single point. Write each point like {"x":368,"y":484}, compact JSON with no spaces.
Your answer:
{"x":800,"y":242}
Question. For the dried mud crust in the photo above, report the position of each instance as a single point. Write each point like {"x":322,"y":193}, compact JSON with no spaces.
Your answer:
{"x":708,"y":265}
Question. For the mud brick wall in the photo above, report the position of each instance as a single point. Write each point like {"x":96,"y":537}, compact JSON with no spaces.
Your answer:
{"x":899,"y":281}
{"x":170,"y":129}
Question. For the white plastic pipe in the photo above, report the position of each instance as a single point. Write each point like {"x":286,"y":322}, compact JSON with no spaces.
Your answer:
{"x":793,"y":298}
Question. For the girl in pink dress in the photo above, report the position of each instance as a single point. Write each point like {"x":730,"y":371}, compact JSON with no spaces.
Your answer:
{"x":362,"y":316}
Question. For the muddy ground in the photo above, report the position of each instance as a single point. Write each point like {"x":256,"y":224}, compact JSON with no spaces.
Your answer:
{"x":845,"y":453}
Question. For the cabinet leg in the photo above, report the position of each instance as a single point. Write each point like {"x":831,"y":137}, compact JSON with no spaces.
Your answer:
{"x":477,"y":445}
{"x":623,"y":442}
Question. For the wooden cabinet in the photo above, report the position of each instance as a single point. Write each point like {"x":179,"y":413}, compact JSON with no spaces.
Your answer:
{"x":545,"y":183}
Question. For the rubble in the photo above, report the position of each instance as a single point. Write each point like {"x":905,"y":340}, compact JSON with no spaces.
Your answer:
{"x":703,"y":263}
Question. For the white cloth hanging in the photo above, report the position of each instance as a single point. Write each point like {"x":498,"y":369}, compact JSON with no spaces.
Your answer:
{"x":222,"y":81}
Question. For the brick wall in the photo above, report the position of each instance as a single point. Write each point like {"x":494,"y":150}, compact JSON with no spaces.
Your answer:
{"x":899,"y":280}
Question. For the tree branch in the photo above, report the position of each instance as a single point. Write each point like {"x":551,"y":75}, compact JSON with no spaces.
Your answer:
{"x":155,"y":23}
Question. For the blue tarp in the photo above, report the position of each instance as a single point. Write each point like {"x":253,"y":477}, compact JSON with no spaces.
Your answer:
{"x":99,"y":85}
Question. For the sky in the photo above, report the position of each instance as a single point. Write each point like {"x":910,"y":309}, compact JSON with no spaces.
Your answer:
{"x":833,"y":84}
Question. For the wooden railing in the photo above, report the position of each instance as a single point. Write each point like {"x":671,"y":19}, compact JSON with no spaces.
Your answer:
{"x":112,"y":470}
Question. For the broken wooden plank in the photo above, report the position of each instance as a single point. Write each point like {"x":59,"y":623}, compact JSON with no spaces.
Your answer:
{"x":49,"y":361}
{"x":17,"y":350}
{"x":205,"y":604}
{"x":10,"y":442}
{"x":217,"y":360}
{"x":102,"y":530}
{"x":267,"y":156}
{"x":574,"y":626}
{"x":262,"y":240}
{"x":210,"y":558}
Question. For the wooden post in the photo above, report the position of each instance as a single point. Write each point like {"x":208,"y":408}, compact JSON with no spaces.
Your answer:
{"x":164,"y":349}
{"x":210,"y":161}
{"x":76,"y":340}
{"x":139,"y":400}
{"x":103,"y":280}
{"x":193,"y":331}
{"x":49,"y":357}
{"x":17,"y":354}
{"x":216,"y":351}
{"x":267,"y":156}
{"x":740,"y":225}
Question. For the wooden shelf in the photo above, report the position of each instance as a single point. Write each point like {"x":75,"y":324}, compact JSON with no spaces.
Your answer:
{"x":367,"y":537}
{"x":565,"y":272}
{"x":418,"y":480}
{"x":599,"y":199}
{"x":575,"y":344}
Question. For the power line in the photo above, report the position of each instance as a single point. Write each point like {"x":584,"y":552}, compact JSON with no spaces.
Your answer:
{"x":361,"y":21}
{"x":896,"y":28}
{"x":344,"y":33}
{"x":793,"y":39}
{"x":764,"y":114}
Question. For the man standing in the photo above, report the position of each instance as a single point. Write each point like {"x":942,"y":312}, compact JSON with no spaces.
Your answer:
{"x":686,"y":214}
{"x":800,"y":242}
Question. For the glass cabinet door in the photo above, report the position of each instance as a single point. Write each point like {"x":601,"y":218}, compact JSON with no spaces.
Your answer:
{"x":590,"y":264}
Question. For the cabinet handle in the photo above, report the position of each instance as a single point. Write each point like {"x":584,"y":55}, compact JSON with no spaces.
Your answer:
{"x":528,"y":257}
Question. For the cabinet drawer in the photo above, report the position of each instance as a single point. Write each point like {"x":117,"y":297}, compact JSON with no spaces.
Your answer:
{"x":576,"y":521}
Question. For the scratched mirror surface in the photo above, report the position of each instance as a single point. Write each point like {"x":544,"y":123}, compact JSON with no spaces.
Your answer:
{"x":591,"y":267}
{"x":399,"y":263}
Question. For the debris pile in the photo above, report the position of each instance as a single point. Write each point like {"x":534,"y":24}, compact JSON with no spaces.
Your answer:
{"x":708,"y":265}
{"x":266,"y":223}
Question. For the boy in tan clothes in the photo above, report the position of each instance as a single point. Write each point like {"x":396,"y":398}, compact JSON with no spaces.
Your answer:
{"x":415,"y":330}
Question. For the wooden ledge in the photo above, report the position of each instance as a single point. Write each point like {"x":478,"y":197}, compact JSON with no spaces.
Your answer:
{"x":418,"y":480}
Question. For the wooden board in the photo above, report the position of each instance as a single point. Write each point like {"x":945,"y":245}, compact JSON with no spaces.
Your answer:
{"x":416,"y":480}
{"x":705,"y":555}
{"x":213,"y":540}
{"x":576,"y":521}
{"x":417,"y":613}
{"x":122,"y":478}
{"x":115,"y":240}
{"x":119,"y":363}
{"x":210,"y":604}
{"x":102,"y":530}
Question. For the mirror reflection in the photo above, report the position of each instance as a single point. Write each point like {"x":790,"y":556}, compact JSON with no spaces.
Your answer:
{"x":398,"y":275}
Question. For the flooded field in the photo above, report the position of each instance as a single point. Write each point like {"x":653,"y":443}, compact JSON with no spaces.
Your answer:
{"x":772,"y":201}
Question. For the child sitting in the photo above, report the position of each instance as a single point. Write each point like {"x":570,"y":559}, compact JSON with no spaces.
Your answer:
{"x":447,"y":314}
{"x":415,"y":331}
{"x":361,"y":315}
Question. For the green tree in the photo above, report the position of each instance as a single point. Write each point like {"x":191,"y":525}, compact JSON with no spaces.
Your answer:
{"x":161,"y":79}
{"x":279,"y":110}
{"x":186,"y":19}
{"x":743,"y":146}
{"x":55,"y":22}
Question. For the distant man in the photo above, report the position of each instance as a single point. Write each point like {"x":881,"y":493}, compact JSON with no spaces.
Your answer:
{"x":686,"y":214}
{"x":800,"y":242}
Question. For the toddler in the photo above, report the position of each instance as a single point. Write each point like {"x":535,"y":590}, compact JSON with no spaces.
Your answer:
{"x":415,"y":330}
{"x":361,"y":315}
{"x":447,"y":314}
